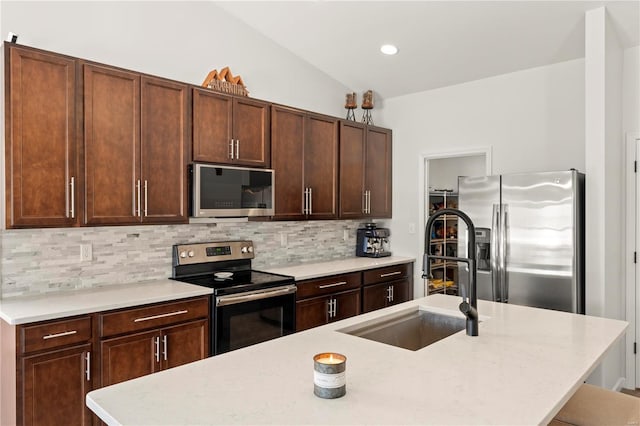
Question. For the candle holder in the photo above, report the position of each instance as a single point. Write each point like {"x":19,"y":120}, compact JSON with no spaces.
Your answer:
{"x":329,"y":375}
{"x":367,"y":106}
{"x":350,"y":104}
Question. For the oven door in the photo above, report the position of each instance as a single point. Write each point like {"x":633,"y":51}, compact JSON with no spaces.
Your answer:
{"x":248,"y":318}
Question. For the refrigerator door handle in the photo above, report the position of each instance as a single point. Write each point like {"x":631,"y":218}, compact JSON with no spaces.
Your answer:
{"x":504,"y":238}
{"x":495,"y":253}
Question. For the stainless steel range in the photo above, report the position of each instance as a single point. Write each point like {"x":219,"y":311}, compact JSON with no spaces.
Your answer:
{"x":248,"y":306}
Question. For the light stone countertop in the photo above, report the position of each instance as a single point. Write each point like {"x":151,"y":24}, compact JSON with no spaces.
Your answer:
{"x":22,"y":310}
{"x":305,"y":271}
{"x":521,"y":369}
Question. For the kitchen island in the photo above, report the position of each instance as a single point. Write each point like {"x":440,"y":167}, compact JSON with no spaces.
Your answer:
{"x":521,"y":369}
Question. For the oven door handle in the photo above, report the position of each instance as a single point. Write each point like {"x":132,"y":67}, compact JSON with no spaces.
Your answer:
{"x":255,"y":295}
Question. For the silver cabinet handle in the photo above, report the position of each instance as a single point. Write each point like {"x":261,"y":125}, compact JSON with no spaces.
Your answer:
{"x":332,"y":284}
{"x":310,"y":201}
{"x":156,"y":341}
{"x":73,"y":197}
{"x":330,"y":308}
{"x":231,"y":148}
{"x":237,"y":149}
{"x":87,"y":357}
{"x":364,"y":202}
{"x":391,"y":288}
{"x":390,"y":274}
{"x":64,"y":333}
{"x":168,"y":314}
{"x":139,"y":201}
{"x":146,"y":199}
{"x":368,"y":202}
{"x":335,"y":308}
{"x":305,"y":208}
{"x":164,"y":347}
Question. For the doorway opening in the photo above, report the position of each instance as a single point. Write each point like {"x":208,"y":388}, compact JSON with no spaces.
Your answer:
{"x":439,"y":189}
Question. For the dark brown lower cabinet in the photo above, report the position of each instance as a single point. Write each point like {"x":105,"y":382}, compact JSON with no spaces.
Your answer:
{"x":54,"y":385}
{"x":325,"y":309}
{"x":381,"y":295}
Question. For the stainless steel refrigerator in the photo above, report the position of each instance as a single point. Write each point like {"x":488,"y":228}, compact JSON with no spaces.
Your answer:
{"x":529,"y":238}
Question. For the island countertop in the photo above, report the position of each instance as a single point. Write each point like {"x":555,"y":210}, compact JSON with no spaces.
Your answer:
{"x":521,"y":369}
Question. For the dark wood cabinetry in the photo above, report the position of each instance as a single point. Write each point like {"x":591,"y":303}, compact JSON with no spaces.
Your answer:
{"x":304,"y":150}
{"x":141,"y":341}
{"x":55,"y":372}
{"x":324,"y":300}
{"x":230,"y":130}
{"x":40,"y":143}
{"x":365,"y":171}
{"x":135,"y":170}
{"x":386,"y":286}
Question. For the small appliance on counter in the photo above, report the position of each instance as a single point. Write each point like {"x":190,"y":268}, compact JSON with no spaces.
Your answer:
{"x":372,"y":241}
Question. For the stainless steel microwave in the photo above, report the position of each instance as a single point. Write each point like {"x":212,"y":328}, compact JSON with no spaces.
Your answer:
{"x":223,"y":191}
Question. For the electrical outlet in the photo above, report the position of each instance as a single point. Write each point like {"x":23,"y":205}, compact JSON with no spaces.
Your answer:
{"x":412,"y":228}
{"x":86,"y":252}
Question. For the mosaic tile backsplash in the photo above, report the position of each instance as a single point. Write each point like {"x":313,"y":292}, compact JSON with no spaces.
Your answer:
{"x":47,"y":260}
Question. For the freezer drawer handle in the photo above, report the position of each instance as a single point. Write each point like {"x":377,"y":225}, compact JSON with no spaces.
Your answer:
{"x":168,"y":314}
{"x":390,"y":274}
{"x":332,"y":285}
{"x":64,"y":333}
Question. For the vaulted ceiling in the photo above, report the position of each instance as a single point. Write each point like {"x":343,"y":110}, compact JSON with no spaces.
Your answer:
{"x":441,"y":43}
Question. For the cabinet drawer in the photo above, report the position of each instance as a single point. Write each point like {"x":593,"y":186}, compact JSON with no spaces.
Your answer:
{"x":328,"y":285}
{"x":55,"y":334}
{"x":389,"y":273}
{"x":155,"y":316}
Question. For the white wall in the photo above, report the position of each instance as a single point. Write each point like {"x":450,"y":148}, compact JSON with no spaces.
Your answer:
{"x":531,"y":120}
{"x":631,"y":92}
{"x":173,"y":39}
{"x":444,"y":172}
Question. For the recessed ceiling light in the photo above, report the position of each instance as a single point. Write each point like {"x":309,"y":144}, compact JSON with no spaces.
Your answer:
{"x":388,"y":49}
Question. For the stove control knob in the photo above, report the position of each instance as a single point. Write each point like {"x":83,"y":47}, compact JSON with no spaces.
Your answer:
{"x":250,"y":249}
{"x":183,"y":254}
{"x":191,"y":253}
{"x":244,"y":250}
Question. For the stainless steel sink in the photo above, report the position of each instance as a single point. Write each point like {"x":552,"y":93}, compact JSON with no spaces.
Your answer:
{"x":411,"y":329}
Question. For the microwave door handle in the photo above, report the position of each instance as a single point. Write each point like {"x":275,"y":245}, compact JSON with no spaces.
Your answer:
{"x":254,"y":295}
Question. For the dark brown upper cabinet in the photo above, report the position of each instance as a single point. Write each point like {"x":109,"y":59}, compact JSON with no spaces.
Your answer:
{"x":365,"y":171}
{"x":40,"y":144}
{"x":304,"y":155}
{"x":136,"y":141}
{"x":230,"y":129}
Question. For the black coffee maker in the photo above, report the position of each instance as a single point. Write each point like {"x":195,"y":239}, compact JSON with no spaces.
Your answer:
{"x":372,"y":241}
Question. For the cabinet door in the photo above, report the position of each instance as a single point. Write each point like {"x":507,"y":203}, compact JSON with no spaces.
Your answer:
{"x":164,"y":143}
{"x":40,"y":145}
{"x":112,"y":145}
{"x":375,"y":297}
{"x":54,"y":385}
{"x":251,"y":128}
{"x":321,"y":165}
{"x":212,"y":126}
{"x":287,"y":140}
{"x":312,"y":312}
{"x":185,"y":343}
{"x":378,"y":172}
{"x":347,"y":304}
{"x":128,"y":357}
{"x":402,"y":291}
{"x":352,"y":153}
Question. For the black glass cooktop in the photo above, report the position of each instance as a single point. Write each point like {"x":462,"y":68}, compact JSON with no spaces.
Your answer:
{"x":240,"y":281}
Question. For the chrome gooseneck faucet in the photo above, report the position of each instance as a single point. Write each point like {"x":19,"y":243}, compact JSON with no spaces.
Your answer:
{"x":469,"y":305}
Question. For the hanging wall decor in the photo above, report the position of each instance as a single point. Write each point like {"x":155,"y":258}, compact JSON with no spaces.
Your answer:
{"x":367,"y":106}
{"x":350,"y":104}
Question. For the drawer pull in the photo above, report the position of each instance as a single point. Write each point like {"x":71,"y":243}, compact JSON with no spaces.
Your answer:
{"x":168,"y":314}
{"x":332,"y":285}
{"x":65,"y":333}
{"x":390,"y":274}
